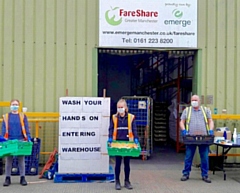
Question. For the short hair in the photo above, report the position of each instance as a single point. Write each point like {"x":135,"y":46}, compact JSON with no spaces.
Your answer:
{"x":124,"y":103}
{"x":14,"y":100}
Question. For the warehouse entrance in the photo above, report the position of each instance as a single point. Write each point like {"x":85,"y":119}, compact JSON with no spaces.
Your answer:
{"x":167,"y":76}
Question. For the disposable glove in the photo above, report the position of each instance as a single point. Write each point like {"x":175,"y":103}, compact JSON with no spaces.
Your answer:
{"x":110,"y":140}
{"x":2,"y":138}
{"x":136,"y":140}
{"x":211,"y":132}
{"x":29,"y":139}
{"x":184,"y":132}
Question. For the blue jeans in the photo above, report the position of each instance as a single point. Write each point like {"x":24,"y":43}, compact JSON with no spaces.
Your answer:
{"x":190,"y":151}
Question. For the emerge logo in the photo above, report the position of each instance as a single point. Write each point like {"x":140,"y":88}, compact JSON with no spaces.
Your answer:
{"x":111,"y":20}
{"x":178,"y":14}
{"x":177,"y":21}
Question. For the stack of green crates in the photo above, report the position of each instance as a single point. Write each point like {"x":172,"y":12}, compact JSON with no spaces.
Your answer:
{"x":132,"y":152}
{"x":24,"y":148}
{"x":8,"y":147}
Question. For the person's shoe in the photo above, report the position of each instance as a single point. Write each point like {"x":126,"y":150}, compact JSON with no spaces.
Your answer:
{"x":206,"y":179}
{"x":128,"y":185}
{"x":7,"y":181}
{"x":117,"y":185}
{"x":184,"y":178}
{"x":23,"y":182}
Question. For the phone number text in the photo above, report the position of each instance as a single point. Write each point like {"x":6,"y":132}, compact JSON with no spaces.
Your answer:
{"x":148,"y":40}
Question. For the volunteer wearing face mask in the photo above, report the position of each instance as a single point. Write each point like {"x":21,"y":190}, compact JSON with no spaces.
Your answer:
{"x":120,"y":130}
{"x":199,"y":122}
{"x":15,"y":126}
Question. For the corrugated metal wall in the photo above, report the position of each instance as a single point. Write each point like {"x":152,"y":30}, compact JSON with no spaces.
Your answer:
{"x":219,"y":39}
{"x":46,"y":47}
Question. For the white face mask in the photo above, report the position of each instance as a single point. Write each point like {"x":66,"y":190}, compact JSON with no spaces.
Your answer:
{"x":121,"y":110}
{"x":194,"y":103}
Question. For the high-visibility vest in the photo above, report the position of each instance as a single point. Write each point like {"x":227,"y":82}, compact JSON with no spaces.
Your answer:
{"x":115,"y":124}
{"x":189,"y":111}
{"x":21,"y":117}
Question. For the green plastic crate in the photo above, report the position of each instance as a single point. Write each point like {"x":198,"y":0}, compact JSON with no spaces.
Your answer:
{"x":24,"y":148}
{"x":8,"y":147}
{"x":132,"y":152}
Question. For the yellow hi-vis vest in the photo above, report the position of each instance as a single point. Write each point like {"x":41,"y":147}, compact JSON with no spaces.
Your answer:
{"x":189,"y":111}
{"x":115,"y":124}
{"x":21,"y":117}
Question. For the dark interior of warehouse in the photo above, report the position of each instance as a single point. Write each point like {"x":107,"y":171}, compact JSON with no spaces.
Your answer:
{"x":161,"y":78}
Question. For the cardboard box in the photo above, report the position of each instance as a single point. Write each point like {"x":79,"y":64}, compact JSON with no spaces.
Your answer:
{"x":220,"y":134}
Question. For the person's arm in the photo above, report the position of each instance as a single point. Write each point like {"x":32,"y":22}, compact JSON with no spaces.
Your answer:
{"x":210,"y":124}
{"x":27,"y":127}
{"x":210,"y":121}
{"x":110,"y":129}
{"x":134,"y":129}
{"x":182,"y":124}
{"x":3,"y":128}
{"x":183,"y":120}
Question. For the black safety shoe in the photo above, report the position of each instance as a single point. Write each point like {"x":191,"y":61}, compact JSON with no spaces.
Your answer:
{"x":184,"y":178}
{"x":128,"y":185}
{"x":7,"y":181}
{"x":23,"y":182}
{"x":206,"y":179}
{"x":117,"y":185}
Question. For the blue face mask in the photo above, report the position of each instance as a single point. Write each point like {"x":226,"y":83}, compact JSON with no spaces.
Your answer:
{"x":14,"y":108}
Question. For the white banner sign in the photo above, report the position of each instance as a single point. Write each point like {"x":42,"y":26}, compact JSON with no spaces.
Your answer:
{"x":151,"y":23}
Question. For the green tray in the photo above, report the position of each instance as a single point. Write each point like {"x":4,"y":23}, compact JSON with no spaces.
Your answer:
{"x":8,"y":147}
{"x":132,"y":152}
{"x":24,"y":148}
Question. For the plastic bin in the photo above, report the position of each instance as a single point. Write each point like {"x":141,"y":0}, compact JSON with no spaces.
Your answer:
{"x":31,"y":161}
{"x":8,"y":147}
{"x":124,"y":148}
{"x":198,"y":139}
{"x":24,"y":148}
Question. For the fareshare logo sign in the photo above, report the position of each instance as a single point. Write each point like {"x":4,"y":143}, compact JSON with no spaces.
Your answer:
{"x":152,"y":23}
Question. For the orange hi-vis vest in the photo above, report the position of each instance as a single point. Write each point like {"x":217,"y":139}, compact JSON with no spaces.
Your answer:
{"x":21,"y":117}
{"x":115,"y":123}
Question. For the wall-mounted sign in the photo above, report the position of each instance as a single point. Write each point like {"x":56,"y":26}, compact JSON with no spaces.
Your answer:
{"x":151,"y":23}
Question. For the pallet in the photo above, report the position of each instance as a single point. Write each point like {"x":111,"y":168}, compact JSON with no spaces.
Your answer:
{"x":84,"y":178}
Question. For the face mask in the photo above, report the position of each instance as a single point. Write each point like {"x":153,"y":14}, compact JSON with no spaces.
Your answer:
{"x":14,"y":108}
{"x":194,"y":103}
{"x":121,"y":110}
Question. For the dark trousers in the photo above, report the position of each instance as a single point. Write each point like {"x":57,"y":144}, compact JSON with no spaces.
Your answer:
{"x":126,"y":167}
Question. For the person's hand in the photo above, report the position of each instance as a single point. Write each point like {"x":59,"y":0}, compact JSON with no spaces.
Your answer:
{"x":29,"y":139}
{"x":211,"y":132}
{"x":109,"y":140}
{"x":2,"y":139}
{"x":184,"y":132}
{"x":136,"y":140}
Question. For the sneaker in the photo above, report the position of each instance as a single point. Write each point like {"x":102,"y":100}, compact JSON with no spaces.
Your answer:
{"x":184,"y":178}
{"x":117,"y":185}
{"x":128,"y":185}
{"x":7,"y":181}
{"x":206,"y":179}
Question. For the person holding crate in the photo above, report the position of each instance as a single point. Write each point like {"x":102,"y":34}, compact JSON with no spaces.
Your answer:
{"x":122,"y":128}
{"x":15,"y":126}
{"x":196,"y":120}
